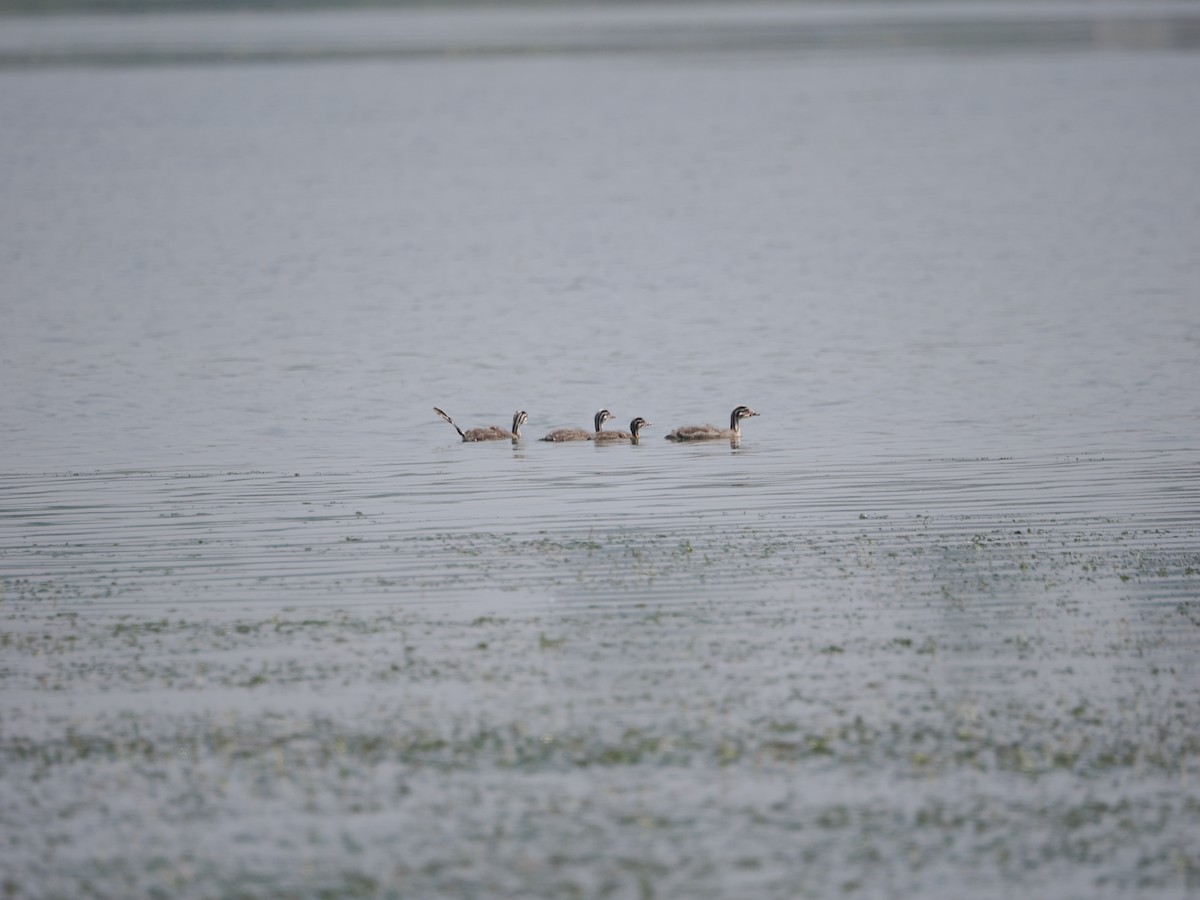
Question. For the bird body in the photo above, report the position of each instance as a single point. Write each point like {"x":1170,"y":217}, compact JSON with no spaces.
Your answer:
{"x":492,"y":432}
{"x":560,"y":435}
{"x":712,"y":432}
{"x":611,"y":437}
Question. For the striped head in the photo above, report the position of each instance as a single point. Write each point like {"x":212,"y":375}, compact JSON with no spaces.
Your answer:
{"x":739,"y":413}
{"x":603,"y":416}
{"x":636,"y":426}
{"x":520,"y":417}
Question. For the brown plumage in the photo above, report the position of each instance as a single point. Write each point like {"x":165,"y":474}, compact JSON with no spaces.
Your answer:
{"x":578,"y":434}
{"x":712,"y":432}
{"x":609,"y":437}
{"x":492,"y":432}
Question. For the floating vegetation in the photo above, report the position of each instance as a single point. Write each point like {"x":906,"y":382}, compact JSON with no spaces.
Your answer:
{"x":995,"y":696}
{"x":561,"y":710}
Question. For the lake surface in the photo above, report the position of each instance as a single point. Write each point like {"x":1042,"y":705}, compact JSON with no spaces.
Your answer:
{"x":271,"y":629}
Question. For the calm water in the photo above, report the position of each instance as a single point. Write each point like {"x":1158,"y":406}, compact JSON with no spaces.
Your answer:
{"x":270,"y":629}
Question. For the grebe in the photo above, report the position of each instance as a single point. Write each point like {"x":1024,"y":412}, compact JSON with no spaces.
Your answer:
{"x":608,"y":437}
{"x":578,"y":434}
{"x":492,"y":432}
{"x":712,"y":432}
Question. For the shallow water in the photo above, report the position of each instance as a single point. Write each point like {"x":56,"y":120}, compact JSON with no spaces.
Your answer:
{"x":270,"y":628}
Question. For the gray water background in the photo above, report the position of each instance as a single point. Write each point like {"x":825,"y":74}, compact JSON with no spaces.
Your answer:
{"x":933,"y":623}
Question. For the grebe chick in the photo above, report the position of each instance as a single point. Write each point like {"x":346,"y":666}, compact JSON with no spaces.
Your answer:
{"x":712,"y":432}
{"x":578,"y":434}
{"x":608,"y":437}
{"x":492,"y":432}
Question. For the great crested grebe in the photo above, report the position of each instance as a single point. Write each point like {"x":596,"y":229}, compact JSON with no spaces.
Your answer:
{"x":712,"y":432}
{"x":492,"y":432}
{"x":578,"y":434}
{"x":608,"y":437}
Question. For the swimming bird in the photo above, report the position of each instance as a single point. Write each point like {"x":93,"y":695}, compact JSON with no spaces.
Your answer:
{"x":578,"y":434}
{"x":492,"y":432}
{"x":712,"y":432}
{"x":608,"y":437}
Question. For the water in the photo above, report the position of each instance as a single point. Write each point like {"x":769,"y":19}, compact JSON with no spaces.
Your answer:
{"x":270,"y":628}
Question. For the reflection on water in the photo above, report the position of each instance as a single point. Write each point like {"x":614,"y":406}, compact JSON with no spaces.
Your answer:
{"x":932,"y":621}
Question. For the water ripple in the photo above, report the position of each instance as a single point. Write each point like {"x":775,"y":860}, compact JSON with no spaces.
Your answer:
{"x":176,"y":536}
